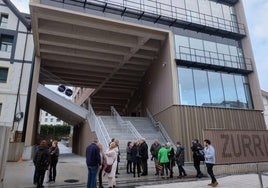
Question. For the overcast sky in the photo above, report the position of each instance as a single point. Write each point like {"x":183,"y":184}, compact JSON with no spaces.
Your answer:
{"x":257,"y":16}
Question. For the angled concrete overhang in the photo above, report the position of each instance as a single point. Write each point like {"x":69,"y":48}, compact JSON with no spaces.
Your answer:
{"x":83,"y":50}
{"x":60,"y":107}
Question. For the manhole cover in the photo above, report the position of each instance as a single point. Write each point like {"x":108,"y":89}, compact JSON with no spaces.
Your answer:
{"x":71,"y":181}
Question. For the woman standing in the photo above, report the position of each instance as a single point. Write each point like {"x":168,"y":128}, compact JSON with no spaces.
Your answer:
{"x":111,"y":157}
{"x":129,"y":159}
{"x":196,"y":148}
{"x":54,"y":154}
{"x":136,"y":159}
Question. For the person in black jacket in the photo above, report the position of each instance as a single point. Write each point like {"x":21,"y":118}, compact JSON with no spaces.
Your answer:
{"x":196,"y":147}
{"x":144,"y":156}
{"x":54,"y":153}
{"x":41,"y":162}
{"x":179,"y":156}
{"x":136,"y":159}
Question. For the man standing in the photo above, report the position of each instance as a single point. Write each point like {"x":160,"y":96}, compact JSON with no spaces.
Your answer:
{"x":144,"y":157}
{"x":210,"y":161}
{"x":155,"y":147}
{"x":93,"y":160}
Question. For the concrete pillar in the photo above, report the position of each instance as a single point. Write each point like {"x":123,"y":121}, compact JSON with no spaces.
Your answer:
{"x":4,"y":144}
{"x":32,"y":124}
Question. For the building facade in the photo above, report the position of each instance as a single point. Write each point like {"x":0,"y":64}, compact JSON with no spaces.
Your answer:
{"x":48,"y":119}
{"x":16,"y":60}
{"x":265,"y":103}
{"x":190,"y":63}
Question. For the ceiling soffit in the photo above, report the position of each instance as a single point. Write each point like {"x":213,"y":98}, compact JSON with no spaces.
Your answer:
{"x":82,"y":50}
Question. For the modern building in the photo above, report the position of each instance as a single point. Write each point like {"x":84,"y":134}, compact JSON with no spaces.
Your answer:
{"x":265,"y":103}
{"x":16,"y":63}
{"x":189,"y":63}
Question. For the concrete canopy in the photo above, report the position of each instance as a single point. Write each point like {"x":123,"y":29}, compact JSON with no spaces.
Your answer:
{"x":83,"y":50}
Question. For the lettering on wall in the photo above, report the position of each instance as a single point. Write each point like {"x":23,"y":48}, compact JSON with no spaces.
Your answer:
{"x":239,"y":146}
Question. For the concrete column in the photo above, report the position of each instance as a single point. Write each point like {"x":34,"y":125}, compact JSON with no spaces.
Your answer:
{"x":4,"y":144}
{"x":33,"y":112}
{"x":248,"y":52}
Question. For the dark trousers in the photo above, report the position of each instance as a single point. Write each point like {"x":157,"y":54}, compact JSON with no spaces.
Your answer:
{"x":53,"y":171}
{"x":129,"y":166}
{"x":210,"y":172}
{"x":144,"y":166}
{"x":166,"y":167}
{"x":197,"y":166}
{"x":40,"y":175}
{"x":136,"y":165}
{"x":100,"y":175}
{"x":181,"y":170}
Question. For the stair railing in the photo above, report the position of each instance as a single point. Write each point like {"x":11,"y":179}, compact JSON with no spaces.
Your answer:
{"x":126,"y":124}
{"x":158,"y":125}
{"x":96,"y":124}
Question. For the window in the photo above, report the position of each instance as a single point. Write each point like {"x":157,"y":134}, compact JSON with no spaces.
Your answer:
{"x":0,"y":108}
{"x":51,"y":119}
{"x":3,"y":74}
{"x":208,"y":88}
{"x":46,"y":114}
{"x":6,"y":43}
{"x":58,"y":120}
{"x":3,"y":20}
{"x":45,"y":119}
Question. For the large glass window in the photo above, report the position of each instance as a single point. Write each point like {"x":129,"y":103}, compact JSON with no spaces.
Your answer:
{"x":3,"y":74}
{"x":201,"y":87}
{"x":186,"y":86}
{"x":3,"y":20}
{"x":208,"y":88}
{"x":6,"y":42}
{"x":215,"y":88}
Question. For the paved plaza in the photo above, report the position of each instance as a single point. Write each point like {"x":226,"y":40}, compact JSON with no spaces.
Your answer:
{"x":72,"y":167}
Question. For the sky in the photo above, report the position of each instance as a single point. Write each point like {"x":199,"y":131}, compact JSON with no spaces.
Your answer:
{"x":257,"y":28}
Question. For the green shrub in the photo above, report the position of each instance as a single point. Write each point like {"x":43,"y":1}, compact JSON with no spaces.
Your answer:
{"x":56,"y":132}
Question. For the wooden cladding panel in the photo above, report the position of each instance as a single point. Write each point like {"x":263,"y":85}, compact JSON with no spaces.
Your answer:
{"x":184,"y":123}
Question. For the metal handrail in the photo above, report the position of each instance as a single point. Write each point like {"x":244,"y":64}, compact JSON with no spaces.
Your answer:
{"x":97,"y":125}
{"x":213,"y":58}
{"x":126,"y":124}
{"x":160,"y":127}
{"x":162,"y":9}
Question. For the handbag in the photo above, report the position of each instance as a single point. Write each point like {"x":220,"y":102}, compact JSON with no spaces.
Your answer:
{"x":108,"y":168}
{"x":159,"y":167}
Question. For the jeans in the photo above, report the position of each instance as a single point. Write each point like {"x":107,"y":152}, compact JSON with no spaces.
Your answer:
{"x":53,"y":171}
{"x":92,"y":176}
{"x":210,"y":172}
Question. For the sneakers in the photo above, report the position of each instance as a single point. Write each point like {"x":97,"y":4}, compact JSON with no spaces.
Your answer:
{"x":213,"y":184}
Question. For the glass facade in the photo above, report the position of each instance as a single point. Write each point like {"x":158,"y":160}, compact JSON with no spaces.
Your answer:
{"x":227,"y":54}
{"x":208,"y":88}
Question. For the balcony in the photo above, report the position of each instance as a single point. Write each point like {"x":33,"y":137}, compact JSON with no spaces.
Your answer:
{"x":191,"y":57}
{"x":165,"y":14}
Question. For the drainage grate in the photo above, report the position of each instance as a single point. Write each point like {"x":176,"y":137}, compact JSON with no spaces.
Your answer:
{"x":71,"y":181}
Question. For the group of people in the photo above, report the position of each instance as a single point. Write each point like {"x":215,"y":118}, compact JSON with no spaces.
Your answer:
{"x":45,"y":158}
{"x":164,"y":156}
{"x":97,"y":160}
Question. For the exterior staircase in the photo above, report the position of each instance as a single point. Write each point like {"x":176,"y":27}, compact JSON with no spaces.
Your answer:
{"x":143,"y":126}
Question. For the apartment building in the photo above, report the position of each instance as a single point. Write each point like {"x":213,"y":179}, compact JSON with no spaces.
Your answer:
{"x":48,"y":119}
{"x":16,"y":61}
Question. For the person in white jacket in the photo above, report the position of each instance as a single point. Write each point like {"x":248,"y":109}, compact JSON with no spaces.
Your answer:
{"x":210,"y":161}
{"x":111,"y":157}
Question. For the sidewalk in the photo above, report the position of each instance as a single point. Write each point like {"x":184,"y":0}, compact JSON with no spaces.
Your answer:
{"x":73,"y":168}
